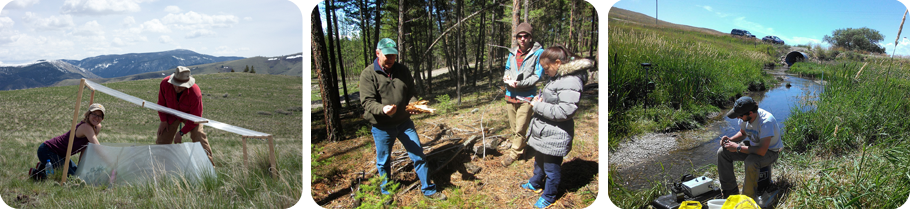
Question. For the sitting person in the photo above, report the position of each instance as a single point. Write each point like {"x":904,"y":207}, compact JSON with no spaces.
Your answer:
{"x":757,"y":126}
{"x":54,"y":150}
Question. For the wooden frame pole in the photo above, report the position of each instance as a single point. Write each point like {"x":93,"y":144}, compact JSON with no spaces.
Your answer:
{"x":69,"y":146}
{"x":273,"y":167}
{"x":245,"y":164}
{"x":91,"y":100}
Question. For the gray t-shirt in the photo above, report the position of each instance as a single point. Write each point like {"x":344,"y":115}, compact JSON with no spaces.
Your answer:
{"x":764,"y":126}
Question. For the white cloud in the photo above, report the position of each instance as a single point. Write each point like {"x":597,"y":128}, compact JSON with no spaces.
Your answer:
{"x":100,"y":7}
{"x":19,"y":4}
{"x":155,"y":25}
{"x":172,"y":9}
{"x":128,"y":21}
{"x":118,"y":42}
{"x":49,"y":23}
{"x":225,"y":50}
{"x":248,"y":18}
{"x":198,"y":33}
{"x":707,"y":8}
{"x":801,"y":41}
{"x":165,"y":39}
{"x":9,"y":36}
{"x":91,"y":28}
{"x":6,"y":22}
{"x":192,"y":20}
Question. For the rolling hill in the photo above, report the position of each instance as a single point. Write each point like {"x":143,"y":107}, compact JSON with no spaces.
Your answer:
{"x":280,"y":65}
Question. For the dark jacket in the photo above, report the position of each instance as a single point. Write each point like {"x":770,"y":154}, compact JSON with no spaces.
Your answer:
{"x":552,"y":127}
{"x":527,"y":75}
{"x":379,"y":88}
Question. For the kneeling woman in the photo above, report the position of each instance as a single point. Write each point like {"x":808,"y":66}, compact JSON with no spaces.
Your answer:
{"x":552,"y":127}
{"x":55,"y":149}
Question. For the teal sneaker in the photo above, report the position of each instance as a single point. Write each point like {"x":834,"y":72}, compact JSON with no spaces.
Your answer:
{"x":542,"y":203}
{"x":529,"y":187}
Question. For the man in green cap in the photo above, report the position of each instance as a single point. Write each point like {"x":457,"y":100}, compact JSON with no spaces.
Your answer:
{"x":386,"y":86}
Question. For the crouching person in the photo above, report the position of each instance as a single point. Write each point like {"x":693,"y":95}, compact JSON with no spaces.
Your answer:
{"x":759,"y":127}
{"x":54,"y":150}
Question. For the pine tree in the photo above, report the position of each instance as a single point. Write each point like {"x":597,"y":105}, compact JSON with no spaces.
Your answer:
{"x":246,"y":69}
{"x":232,"y":70}
{"x":253,"y":69}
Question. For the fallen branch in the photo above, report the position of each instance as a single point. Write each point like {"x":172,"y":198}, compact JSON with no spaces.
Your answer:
{"x":460,"y":148}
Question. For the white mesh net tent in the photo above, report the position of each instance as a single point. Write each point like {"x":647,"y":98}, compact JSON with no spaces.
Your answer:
{"x":133,"y":163}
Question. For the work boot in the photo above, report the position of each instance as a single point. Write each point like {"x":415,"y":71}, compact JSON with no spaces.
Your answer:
{"x":438,"y":196}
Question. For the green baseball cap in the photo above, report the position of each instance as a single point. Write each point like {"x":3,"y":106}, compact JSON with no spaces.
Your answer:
{"x":387,"y":46}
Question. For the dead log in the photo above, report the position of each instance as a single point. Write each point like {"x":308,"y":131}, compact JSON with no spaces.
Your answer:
{"x":461,"y":147}
{"x":490,"y":144}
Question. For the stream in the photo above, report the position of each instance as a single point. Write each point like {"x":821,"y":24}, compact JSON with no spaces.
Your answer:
{"x":664,"y":157}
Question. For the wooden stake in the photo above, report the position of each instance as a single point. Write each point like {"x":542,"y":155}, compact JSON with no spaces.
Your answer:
{"x":69,"y":146}
{"x":91,"y":100}
{"x":244,"y":152}
{"x":272,"y":166}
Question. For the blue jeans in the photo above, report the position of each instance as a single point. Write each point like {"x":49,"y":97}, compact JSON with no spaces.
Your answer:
{"x":547,"y":171}
{"x":407,"y":135}
{"x":45,"y":153}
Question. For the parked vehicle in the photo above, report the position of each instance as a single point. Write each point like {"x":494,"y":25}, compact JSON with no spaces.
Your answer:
{"x":741,"y":32}
{"x":773,"y":39}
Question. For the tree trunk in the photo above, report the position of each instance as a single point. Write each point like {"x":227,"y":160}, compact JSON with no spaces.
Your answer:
{"x":320,"y":65}
{"x":378,"y":21}
{"x":593,"y":41}
{"x":344,"y":83}
{"x":492,"y":53}
{"x":332,"y":63}
{"x":478,"y":60}
{"x":458,"y":58}
{"x":515,"y":9}
{"x":572,"y":26}
{"x":526,"y":13}
{"x":401,"y":44}
{"x":364,"y":33}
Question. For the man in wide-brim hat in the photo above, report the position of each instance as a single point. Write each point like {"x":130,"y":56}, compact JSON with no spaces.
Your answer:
{"x":180,"y":92}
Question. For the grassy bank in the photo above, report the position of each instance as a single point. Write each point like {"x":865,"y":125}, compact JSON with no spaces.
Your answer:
{"x":851,"y":151}
{"x":693,"y":74}
{"x":36,"y":115}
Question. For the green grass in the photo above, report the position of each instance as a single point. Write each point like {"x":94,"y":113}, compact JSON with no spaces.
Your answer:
{"x":693,"y":73}
{"x":40,"y":114}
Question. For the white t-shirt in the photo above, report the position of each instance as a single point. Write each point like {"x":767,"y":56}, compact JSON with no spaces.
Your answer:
{"x":763,"y":126}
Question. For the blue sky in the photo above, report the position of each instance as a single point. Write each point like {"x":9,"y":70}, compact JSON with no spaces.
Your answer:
{"x":796,"y":22}
{"x":76,"y":29}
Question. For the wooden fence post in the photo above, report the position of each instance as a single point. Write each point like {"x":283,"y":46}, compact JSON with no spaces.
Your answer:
{"x":69,"y":146}
{"x":273,"y":167}
{"x":244,"y":152}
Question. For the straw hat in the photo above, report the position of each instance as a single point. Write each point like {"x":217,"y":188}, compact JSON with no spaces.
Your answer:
{"x":182,"y":77}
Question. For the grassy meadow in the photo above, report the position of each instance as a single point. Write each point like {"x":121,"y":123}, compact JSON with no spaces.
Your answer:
{"x":692,"y":75}
{"x":252,"y":101}
{"x":848,"y":152}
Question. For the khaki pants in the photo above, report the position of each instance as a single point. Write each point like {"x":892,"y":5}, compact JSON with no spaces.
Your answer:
{"x":519,"y":118}
{"x":167,"y":137}
{"x":752,"y":162}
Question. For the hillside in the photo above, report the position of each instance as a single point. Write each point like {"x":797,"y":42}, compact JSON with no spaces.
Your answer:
{"x":626,"y":16}
{"x":291,"y":65}
{"x":265,"y":103}
{"x":39,"y":74}
{"x":109,"y":66}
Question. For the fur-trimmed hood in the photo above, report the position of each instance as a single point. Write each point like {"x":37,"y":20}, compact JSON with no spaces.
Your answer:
{"x":574,"y":66}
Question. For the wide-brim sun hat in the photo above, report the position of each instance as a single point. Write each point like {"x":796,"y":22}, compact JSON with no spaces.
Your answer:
{"x":182,"y":77}
{"x":742,"y":106}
